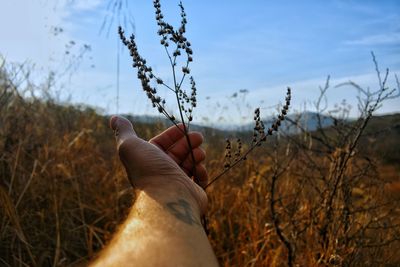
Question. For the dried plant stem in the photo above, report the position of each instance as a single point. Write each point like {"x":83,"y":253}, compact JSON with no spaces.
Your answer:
{"x":275,"y":218}
{"x":185,"y":127}
{"x":236,"y":162}
{"x":145,"y":73}
{"x":262,"y":138}
{"x":186,"y":131}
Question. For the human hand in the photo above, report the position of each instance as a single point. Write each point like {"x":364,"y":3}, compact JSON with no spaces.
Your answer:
{"x":164,"y":162}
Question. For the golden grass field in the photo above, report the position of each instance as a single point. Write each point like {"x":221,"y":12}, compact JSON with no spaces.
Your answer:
{"x":63,"y":192}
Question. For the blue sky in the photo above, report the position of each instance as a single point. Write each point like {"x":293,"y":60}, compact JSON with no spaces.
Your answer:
{"x":261,"y":46}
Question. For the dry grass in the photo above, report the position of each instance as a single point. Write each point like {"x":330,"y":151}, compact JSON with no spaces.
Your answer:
{"x":63,"y":193}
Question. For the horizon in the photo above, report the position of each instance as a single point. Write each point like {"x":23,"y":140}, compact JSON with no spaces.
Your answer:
{"x":245,"y":125}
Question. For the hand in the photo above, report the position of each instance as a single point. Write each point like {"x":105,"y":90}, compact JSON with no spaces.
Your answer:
{"x":157,"y":163}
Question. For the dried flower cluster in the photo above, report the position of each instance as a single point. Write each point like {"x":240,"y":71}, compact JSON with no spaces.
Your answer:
{"x":259,"y":129}
{"x":238,"y":152}
{"x":145,"y":74}
{"x":176,"y":44}
{"x":186,"y":102}
{"x":228,"y":152}
{"x":168,"y":33}
{"x":259,"y":136}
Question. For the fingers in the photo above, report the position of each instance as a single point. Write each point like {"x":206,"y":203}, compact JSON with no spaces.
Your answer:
{"x":200,"y":171}
{"x":202,"y":175}
{"x":180,"y":150}
{"x":199,"y":155}
{"x":169,"y":137}
{"x":174,"y":143}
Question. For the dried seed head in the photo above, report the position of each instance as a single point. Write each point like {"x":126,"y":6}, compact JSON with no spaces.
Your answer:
{"x":168,"y":36}
{"x":228,"y":155}
{"x":259,"y":133}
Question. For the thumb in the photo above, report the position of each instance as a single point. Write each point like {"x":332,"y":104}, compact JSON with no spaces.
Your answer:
{"x":140,"y":158}
{"x":128,"y":146}
{"x":123,"y":129}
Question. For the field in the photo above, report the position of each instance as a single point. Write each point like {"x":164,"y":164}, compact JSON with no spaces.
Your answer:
{"x":328,"y":197}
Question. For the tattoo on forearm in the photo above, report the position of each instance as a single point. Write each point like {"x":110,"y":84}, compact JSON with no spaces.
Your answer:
{"x":182,"y":211}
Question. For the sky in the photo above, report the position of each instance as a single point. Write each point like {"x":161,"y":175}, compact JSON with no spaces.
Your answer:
{"x":261,"y":46}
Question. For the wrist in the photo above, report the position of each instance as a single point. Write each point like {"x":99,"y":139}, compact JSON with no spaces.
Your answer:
{"x":172,"y":189}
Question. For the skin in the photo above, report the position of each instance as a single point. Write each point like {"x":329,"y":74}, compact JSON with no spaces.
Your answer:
{"x":163,"y":227}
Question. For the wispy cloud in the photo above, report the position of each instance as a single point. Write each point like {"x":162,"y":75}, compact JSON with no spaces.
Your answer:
{"x":85,"y":5}
{"x":377,"y":39}
{"x":307,"y":91}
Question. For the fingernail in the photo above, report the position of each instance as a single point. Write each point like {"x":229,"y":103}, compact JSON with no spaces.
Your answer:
{"x":113,"y":122}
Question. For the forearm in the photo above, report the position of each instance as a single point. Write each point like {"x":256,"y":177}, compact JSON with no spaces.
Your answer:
{"x":162,"y":229}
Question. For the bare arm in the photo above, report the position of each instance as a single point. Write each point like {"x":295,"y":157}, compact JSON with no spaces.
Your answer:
{"x":163,"y":227}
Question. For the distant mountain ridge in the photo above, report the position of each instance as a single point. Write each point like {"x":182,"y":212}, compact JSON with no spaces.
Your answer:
{"x":308,"y":120}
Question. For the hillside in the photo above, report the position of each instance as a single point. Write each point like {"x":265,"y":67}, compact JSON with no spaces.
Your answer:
{"x":383,"y":138}
{"x":379,"y":128}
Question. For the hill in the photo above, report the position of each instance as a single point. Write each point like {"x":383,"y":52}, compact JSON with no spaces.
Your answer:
{"x":382,"y":135}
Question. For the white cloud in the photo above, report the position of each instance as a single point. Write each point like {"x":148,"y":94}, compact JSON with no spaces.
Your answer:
{"x":38,"y":31}
{"x":305,"y":93}
{"x":377,"y":39}
{"x":26,"y":30}
{"x":84,"y":5}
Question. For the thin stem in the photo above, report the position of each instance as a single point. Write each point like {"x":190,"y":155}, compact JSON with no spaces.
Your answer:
{"x":169,"y":57}
{"x":262,"y":137}
{"x":168,"y":87}
{"x":242,"y":158}
{"x":166,"y":114}
{"x":186,"y":131}
{"x":183,"y":77}
{"x":118,"y":74}
{"x":275,"y":219}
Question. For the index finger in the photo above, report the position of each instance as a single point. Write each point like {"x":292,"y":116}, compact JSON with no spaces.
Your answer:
{"x":169,"y":137}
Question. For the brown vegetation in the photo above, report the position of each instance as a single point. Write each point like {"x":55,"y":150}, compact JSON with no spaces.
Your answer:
{"x":312,"y":199}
